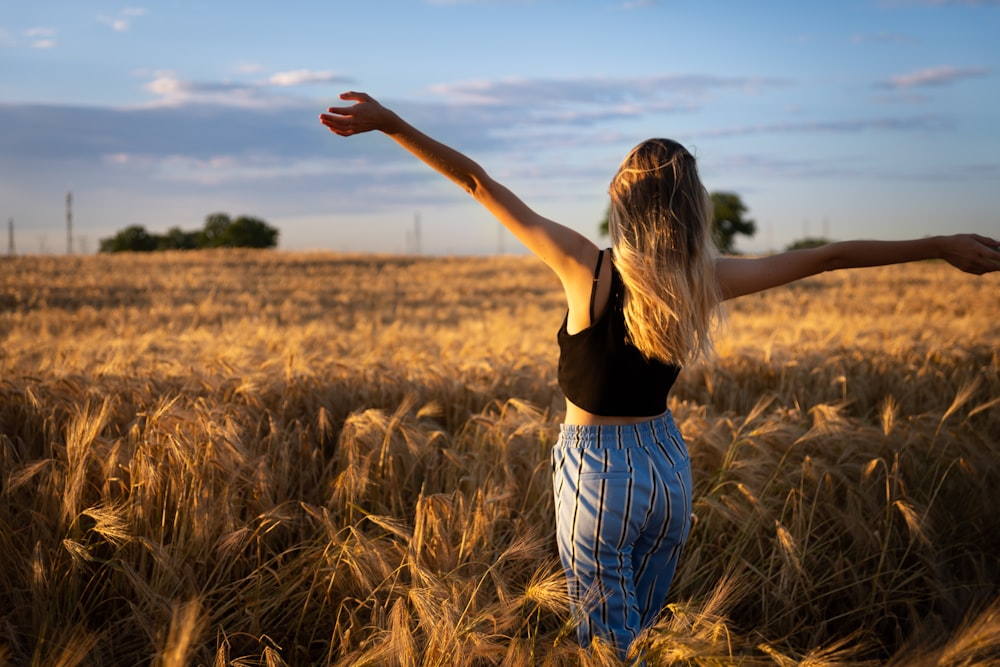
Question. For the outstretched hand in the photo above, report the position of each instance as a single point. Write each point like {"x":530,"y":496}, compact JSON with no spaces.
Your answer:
{"x":972,"y":253}
{"x":364,"y":116}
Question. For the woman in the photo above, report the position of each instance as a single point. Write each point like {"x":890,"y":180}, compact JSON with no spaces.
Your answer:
{"x":636,"y":313}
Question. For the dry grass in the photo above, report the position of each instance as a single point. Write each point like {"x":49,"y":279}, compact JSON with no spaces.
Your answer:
{"x":255,"y":458}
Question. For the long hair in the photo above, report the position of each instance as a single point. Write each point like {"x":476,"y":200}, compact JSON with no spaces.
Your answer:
{"x":659,"y":222}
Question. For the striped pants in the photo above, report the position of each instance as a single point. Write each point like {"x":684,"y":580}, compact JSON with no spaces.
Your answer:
{"x":623,"y":511}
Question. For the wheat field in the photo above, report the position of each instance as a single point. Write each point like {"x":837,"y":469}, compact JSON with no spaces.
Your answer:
{"x":264,"y":458}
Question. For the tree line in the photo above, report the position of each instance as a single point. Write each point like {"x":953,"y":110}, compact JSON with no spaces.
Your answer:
{"x":220,"y":231}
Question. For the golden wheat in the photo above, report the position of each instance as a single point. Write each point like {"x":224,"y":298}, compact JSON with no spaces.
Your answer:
{"x":242,"y":457}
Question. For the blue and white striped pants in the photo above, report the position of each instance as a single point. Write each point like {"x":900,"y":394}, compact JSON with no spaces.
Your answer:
{"x":623,"y":512}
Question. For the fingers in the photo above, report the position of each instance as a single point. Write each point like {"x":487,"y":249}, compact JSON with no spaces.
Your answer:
{"x":364,"y":115}
{"x":338,"y":119}
{"x":341,"y":111}
{"x":987,"y":259}
{"x":356,"y":97}
{"x":359,"y":98}
{"x":350,"y":96}
{"x":337,"y":124}
{"x":991,"y":254}
{"x":985,"y":240}
{"x":974,"y":253}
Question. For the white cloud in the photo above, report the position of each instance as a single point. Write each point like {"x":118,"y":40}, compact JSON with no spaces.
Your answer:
{"x":302,"y":77}
{"x":174,"y":91}
{"x":123,"y":21}
{"x":498,"y":103}
{"x":166,"y":85}
{"x":42,"y":37}
{"x":182,"y":168}
{"x":935,"y":76}
{"x":884,"y":124}
{"x":220,"y":169}
{"x":665,"y":91}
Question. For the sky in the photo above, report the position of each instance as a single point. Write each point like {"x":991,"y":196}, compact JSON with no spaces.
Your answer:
{"x":846,"y":119}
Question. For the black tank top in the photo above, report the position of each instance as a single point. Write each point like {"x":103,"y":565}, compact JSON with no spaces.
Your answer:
{"x":603,"y":373}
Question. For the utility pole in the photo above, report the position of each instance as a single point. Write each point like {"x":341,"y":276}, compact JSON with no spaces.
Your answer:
{"x":10,"y":238}
{"x":69,"y":223}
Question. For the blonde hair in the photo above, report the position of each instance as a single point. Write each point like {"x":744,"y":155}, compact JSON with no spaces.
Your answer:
{"x":659,"y":222}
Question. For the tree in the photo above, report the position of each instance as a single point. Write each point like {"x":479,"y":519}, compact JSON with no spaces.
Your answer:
{"x":221,"y":231}
{"x":727,"y":220}
{"x":249,"y":232}
{"x":177,"y":239}
{"x":213,"y":234}
{"x":133,"y":238}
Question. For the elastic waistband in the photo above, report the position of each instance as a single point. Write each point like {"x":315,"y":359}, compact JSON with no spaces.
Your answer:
{"x":620,"y":436}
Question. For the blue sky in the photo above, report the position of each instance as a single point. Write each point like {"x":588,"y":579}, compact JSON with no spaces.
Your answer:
{"x":875,"y":118}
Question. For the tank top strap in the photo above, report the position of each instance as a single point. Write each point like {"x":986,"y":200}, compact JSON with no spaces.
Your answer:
{"x":593,"y":287}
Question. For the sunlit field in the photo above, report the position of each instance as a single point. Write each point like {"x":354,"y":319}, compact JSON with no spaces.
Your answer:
{"x":262,"y":458}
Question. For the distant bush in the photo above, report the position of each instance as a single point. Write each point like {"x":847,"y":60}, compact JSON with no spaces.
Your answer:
{"x":133,"y":238}
{"x":220,"y":231}
{"x":808,"y":242}
{"x":178,"y":239}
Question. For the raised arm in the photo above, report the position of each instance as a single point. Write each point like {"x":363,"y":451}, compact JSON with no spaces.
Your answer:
{"x":738,"y":276}
{"x":565,"y":251}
